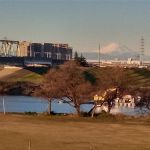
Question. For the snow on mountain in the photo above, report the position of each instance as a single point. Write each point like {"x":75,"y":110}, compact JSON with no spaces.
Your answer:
{"x":123,"y":54}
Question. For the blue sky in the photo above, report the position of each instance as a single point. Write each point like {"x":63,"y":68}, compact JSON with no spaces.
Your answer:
{"x":81,"y":23}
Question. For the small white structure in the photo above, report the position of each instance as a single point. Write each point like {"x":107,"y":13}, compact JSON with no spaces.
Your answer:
{"x":100,"y":108}
{"x":126,"y":101}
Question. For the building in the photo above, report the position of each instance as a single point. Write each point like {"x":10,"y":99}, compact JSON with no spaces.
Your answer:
{"x":24,"y":48}
{"x":46,"y":50}
{"x":36,"y":50}
{"x":50,"y":50}
{"x":129,"y":63}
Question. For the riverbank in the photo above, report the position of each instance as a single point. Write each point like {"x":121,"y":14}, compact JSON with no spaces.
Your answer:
{"x":71,"y":133}
{"x":17,"y":74}
{"x":23,"y":81}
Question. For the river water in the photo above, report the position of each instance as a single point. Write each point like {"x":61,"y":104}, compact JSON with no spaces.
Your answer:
{"x":21,"y":104}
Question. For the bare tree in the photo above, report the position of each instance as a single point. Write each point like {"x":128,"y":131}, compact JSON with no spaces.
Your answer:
{"x":67,"y":81}
{"x":49,"y":89}
{"x":105,"y":97}
{"x":114,"y":76}
{"x":112,"y":83}
{"x":142,"y":97}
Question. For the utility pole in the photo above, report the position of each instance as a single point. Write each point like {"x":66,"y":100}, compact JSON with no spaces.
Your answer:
{"x":99,"y":55}
{"x":4,"y":106}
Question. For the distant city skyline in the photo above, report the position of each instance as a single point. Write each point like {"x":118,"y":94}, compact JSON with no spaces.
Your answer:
{"x":83,"y":24}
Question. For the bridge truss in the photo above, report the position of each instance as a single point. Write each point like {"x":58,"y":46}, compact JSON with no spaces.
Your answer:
{"x":9,"y":48}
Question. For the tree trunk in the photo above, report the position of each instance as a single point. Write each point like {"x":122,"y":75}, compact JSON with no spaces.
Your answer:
{"x":78,"y":110}
{"x":109,"y":105}
{"x":49,"y":106}
{"x":93,"y":111}
{"x":109,"y":109}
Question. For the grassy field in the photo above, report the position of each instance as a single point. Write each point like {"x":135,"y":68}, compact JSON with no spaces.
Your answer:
{"x":138,"y":77}
{"x":71,"y":133}
{"x":141,"y":77}
{"x":20,"y":75}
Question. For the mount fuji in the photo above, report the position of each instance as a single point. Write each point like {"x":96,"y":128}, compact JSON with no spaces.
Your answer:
{"x":120,"y":54}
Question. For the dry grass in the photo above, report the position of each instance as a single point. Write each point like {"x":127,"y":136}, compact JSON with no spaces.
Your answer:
{"x":71,"y":133}
{"x":139,"y":77}
{"x":20,"y":75}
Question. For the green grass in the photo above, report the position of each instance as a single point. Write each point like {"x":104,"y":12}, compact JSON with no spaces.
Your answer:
{"x":32,"y":77}
{"x":71,"y":133}
{"x":24,"y":75}
{"x":139,"y":77}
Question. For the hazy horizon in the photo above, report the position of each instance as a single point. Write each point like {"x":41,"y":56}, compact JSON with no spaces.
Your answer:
{"x":83,"y":24}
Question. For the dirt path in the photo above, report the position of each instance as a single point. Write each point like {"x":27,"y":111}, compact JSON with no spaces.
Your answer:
{"x":8,"y":71}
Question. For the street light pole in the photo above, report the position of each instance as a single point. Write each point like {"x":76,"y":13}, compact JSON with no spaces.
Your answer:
{"x":4,"y":106}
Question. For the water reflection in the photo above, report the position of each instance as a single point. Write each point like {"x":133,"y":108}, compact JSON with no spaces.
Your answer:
{"x":34,"y":104}
{"x":23,"y":104}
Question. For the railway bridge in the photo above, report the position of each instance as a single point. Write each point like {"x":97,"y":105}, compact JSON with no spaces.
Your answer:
{"x":24,"y":53}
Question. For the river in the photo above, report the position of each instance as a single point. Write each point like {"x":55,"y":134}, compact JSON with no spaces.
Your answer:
{"x":21,"y":104}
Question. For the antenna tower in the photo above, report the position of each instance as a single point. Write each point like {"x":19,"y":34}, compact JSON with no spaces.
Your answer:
{"x":99,"y":55}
